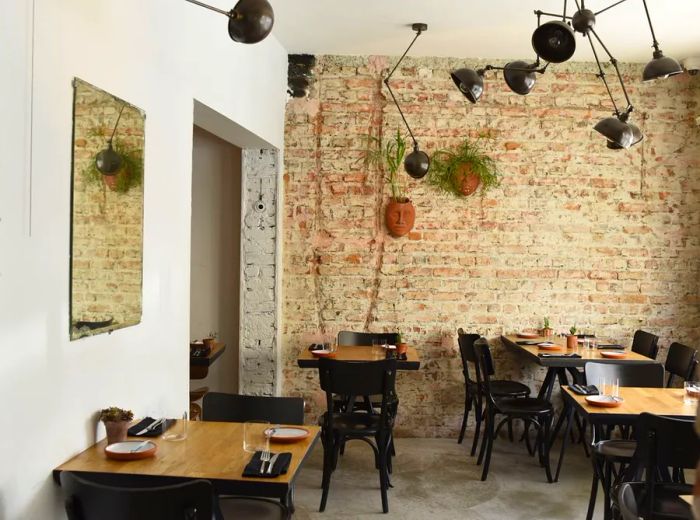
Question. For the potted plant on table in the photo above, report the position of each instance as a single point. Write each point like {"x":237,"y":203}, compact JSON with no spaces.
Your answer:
{"x":116,"y":421}
{"x":462,"y":170}
{"x":401,"y":347}
{"x":546,"y":329}
{"x":400,"y":215}
{"x":572,"y":339}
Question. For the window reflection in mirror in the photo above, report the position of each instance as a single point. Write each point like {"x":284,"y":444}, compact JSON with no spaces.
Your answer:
{"x":107,"y":212}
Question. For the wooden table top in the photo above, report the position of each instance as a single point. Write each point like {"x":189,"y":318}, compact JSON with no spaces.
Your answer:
{"x":359,"y":353}
{"x":586,"y":354}
{"x":212,"y":450}
{"x":659,"y":401}
{"x":688,"y":499}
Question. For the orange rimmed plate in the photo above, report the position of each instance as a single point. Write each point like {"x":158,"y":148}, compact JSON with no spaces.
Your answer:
{"x":604,"y":401}
{"x":550,"y":346}
{"x":287,"y":433}
{"x":131,"y":450}
{"x":323,"y":353}
{"x":613,"y":354}
{"x":527,"y":335}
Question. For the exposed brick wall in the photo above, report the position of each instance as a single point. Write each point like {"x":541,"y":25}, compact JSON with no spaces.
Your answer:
{"x":609,"y":240}
{"x":107,"y":226}
{"x":258,"y":315}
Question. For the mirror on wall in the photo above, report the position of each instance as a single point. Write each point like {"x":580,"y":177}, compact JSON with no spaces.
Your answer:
{"x":106,"y":212}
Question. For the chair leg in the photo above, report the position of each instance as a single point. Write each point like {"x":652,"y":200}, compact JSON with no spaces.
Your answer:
{"x":478,"y":417}
{"x":482,"y":450}
{"x":510,"y":429}
{"x":488,"y":440}
{"x":328,"y":455}
{"x":594,"y":490}
{"x":545,"y":448}
{"x":607,"y":487}
{"x":463,"y":428}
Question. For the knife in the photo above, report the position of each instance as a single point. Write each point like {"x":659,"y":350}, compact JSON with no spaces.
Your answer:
{"x":271,"y":464}
{"x":151,"y":426}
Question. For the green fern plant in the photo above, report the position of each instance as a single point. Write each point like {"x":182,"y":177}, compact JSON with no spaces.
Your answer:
{"x":445,"y":173}
{"x":128,"y":176}
{"x":390,"y":155}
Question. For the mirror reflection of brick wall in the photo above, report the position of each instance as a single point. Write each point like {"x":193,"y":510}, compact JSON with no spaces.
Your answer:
{"x":107,"y":222}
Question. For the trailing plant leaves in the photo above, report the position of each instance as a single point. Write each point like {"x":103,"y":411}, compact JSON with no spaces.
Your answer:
{"x":445,"y":165}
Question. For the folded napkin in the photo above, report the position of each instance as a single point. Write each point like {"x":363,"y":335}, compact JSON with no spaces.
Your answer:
{"x":147,"y":421}
{"x":528,"y":342}
{"x":585,"y":335}
{"x":611,"y":346}
{"x":572,"y":355}
{"x":280,"y":466}
{"x":584,"y":390}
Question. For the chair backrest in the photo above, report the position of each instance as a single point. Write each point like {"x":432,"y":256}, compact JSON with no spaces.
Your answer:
{"x":353,"y":378}
{"x":680,"y":362}
{"x":86,"y":500}
{"x":646,"y":344}
{"x":466,"y":351}
{"x":627,"y":502}
{"x":662,"y":443}
{"x":347,"y":337}
{"x":218,"y":406}
{"x":484,"y":368}
{"x":645,"y":375}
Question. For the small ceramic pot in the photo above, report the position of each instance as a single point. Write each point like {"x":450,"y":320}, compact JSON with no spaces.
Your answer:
{"x":401,"y":348}
{"x":571,"y":341}
{"x":116,"y":431}
{"x":546,"y":332}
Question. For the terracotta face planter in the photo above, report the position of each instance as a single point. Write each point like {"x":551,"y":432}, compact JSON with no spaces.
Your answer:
{"x":400,"y":217}
{"x":571,"y":341}
{"x":466,"y":181}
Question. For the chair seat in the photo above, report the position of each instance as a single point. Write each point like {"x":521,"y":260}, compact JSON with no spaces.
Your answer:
{"x":619,"y":449}
{"x":667,"y":501}
{"x":503,"y":388}
{"x":524,"y":405}
{"x":354,"y":423}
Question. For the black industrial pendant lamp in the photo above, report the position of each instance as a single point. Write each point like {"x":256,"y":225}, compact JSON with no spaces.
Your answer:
{"x":660,"y":67}
{"x":108,"y":161}
{"x":416,"y":163}
{"x":520,"y":76}
{"x":250,"y":21}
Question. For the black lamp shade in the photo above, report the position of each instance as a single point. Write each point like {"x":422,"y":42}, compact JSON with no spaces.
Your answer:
{"x":522,"y":80}
{"x":250,"y":21}
{"x":661,"y":67}
{"x":417,"y":163}
{"x":637,"y":137}
{"x":617,"y":132}
{"x":108,"y":161}
{"x":469,"y":82}
{"x":554,"y":41}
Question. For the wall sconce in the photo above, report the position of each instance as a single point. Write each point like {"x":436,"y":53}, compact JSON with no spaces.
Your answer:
{"x":250,"y":21}
{"x":108,"y":161}
{"x":416,"y":163}
{"x":555,"y":42}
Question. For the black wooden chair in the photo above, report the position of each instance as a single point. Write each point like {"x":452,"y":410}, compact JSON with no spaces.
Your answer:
{"x":88,"y":500}
{"x":531,"y":410}
{"x":218,"y":406}
{"x":606,"y":453}
{"x":627,"y":502}
{"x":473,"y":396}
{"x":357,"y":378}
{"x":646,"y":344}
{"x":680,"y":362}
{"x":664,"y":445}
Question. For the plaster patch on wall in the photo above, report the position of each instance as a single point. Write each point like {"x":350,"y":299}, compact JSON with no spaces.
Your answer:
{"x":258,"y":315}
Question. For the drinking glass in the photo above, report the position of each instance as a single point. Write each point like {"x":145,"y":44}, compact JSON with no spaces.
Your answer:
{"x":603,"y":388}
{"x":178,"y":431}
{"x":377,"y":349}
{"x":692,"y":392}
{"x":586,"y":343}
{"x":254,"y":436}
{"x":593,"y":344}
{"x":615,"y":387}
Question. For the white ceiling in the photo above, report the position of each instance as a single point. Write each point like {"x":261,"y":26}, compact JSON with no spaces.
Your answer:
{"x":477,"y":29}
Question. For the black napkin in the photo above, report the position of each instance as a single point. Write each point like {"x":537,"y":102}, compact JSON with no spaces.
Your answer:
{"x":155,"y":432}
{"x":316,"y":346}
{"x":572,"y":355}
{"x":584,"y":390}
{"x":280,"y":466}
{"x":585,"y":336}
{"x":528,"y":342}
{"x":610,"y":346}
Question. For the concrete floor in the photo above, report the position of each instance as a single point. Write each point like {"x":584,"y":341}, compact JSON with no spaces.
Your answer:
{"x":436,"y":478}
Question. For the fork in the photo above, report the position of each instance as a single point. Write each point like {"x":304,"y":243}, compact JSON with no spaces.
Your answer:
{"x":264,"y":457}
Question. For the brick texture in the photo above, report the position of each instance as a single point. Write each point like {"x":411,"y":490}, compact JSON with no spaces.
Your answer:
{"x":608,"y":240}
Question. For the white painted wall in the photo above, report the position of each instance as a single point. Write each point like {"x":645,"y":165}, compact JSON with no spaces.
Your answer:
{"x":216,"y":251}
{"x":158,"y":55}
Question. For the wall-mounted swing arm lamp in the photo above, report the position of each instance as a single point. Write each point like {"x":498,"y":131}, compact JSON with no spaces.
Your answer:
{"x":108,"y":161}
{"x":660,"y":67}
{"x":416,"y":163}
{"x":519,"y":75}
{"x":250,"y":21}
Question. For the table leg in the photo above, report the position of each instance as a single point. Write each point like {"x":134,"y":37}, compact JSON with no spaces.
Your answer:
{"x":547,"y":385}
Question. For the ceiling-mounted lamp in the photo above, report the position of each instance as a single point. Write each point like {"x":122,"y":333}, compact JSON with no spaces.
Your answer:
{"x":520,"y":77}
{"x":250,"y":21}
{"x":554,"y":41}
{"x":107,"y":160}
{"x":660,"y":67}
{"x":416,"y":163}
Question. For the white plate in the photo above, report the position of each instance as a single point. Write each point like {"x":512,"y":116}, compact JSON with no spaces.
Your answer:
{"x":130,"y":450}
{"x":287,"y":433}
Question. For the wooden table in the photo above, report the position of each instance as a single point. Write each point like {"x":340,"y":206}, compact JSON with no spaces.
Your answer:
{"x":557,"y":367}
{"x":199,"y":366}
{"x":212,"y":451}
{"x":359,"y":353}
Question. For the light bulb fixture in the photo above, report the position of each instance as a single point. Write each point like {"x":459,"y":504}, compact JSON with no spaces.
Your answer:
{"x":660,"y":67}
{"x":416,"y":163}
{"x":520,"y":77}
{"x":250,"y":21}
{"x":107,"y":160}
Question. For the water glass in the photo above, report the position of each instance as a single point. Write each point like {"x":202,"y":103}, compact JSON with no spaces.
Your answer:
{"x":692,"y":392}
{"x":178,"y":431}
{"x":255,"y":437}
